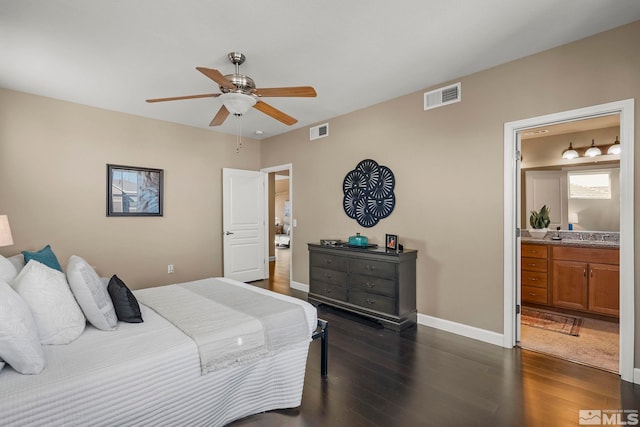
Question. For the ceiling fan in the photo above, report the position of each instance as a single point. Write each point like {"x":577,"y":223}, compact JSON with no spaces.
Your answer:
{"x":239,"y":93}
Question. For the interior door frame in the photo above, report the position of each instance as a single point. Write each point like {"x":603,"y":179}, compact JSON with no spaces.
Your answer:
{"x":625,"y":108}
{"x":267,"y":214}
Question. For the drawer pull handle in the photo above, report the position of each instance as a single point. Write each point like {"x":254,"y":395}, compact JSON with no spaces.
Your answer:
{"x":533,"y":279}
{"x":531,"y":264}
{"x":327,"y":275}
{"x":370,"y":285}
{"x":327,"y":261}
{"x":370,"y":301}
{"x":532,"y":294}
{"x":371,"y":267}
{"x":327,"y":290}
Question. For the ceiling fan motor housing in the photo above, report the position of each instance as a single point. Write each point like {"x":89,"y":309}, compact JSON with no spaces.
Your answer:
{"x":244,"y":84}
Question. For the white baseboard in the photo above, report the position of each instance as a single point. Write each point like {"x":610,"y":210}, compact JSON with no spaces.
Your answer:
{"x":461,"y":329}
{"x":299,"y":286}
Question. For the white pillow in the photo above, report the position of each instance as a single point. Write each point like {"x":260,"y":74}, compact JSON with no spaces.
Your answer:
{"x":19,"y":342}
{"x":7,"y":270}
{"x":46,"y":292}
{"x":17,"y":261}
{"x":91,"y":294}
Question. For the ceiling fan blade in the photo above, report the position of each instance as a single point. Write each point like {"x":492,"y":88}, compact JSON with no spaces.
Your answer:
{"x":177,"y":98}
{"x":275,"y":113}
{"x":298,"y":91}
{"x":220,"y":117}
{"x":216,"y":76}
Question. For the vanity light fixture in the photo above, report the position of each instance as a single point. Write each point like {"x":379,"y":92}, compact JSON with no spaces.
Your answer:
{"x":570,"y":153}
{"x":592,"y":151}
{"x":615,"y":148}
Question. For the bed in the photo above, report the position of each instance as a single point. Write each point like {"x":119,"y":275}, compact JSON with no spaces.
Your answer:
{"x":152,"y":373}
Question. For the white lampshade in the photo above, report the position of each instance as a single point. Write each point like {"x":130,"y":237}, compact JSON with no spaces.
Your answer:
{"x":615,"y":148}
{"x":237,"y":103}
{"x":570,"y":153}
{"x":592,"y":151}
{"x":573,"y":218}
{"x":6,"y":238}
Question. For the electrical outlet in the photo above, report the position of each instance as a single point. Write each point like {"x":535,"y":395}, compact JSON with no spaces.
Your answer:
{"x":170,"y":268}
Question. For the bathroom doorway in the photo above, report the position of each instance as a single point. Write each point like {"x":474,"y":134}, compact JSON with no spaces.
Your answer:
{"x":514,"y":222}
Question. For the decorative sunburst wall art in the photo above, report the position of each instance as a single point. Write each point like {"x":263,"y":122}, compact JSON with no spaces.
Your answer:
{"x":368,"y":193}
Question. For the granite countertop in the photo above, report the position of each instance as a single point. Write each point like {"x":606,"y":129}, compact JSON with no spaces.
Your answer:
{"x":584,"y":239}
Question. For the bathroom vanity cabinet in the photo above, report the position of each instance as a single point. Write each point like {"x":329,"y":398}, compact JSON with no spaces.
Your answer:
{"x":580,"y":278}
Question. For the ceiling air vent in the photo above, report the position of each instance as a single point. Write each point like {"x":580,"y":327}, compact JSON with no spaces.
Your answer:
{"x":319,"y":131}
{"x":443,"y":96}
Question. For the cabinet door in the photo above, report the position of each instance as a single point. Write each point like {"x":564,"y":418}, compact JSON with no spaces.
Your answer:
{"x":569,"y":284}
{"x":604,"y":289}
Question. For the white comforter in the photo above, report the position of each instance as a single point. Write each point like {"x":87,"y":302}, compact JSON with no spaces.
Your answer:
{"x":149,"y":374}
{"x":229,"y":325}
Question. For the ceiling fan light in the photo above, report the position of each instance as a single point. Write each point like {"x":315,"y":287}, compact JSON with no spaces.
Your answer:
{"x":593,"y":151}
{"x":570,"y":153}
{"x":615,"y":148}
{"x":237,"y":103}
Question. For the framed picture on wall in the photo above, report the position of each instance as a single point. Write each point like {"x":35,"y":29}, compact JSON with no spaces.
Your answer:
{"x":134,"y":191}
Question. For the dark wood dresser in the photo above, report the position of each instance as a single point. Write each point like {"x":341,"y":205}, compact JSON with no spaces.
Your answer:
{"x":370,"y":282}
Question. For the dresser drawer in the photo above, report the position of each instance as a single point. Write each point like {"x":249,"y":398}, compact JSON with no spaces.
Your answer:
{"x":329,"y":291}
{"x":333,"y":262}
{"x":532,"y":294}
{"x":332,"y":277}
{"x":534,"y":278}
{"x":534,"y":251}
{"x":373,"y":285}
{"x":386,"y":270}
{"x":372,"y":301}
{"x":534,"y":264}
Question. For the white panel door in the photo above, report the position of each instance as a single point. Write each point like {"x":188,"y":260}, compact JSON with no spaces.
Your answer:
{"x":243,"y":224}
{"x":547,"y":188}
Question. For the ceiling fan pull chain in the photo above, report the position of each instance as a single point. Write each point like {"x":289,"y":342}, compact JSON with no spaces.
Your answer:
{"x":239,"y":134}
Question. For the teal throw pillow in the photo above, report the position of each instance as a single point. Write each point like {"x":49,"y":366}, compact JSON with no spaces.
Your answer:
{"x":44,"y":256}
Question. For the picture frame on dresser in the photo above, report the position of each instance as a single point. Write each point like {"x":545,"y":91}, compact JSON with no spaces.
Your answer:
{"x":391,"y":242}
{"x":134,"y":191}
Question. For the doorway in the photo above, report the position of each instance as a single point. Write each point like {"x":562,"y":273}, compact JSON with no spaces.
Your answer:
{"x":512,"y":222}
{"x":279,"y":217}
{"x":583,"y":197}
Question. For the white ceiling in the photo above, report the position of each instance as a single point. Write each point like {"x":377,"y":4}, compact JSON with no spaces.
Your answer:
{"x":114,"y":54}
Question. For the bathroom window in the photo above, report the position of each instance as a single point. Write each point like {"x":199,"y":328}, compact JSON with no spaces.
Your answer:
{"x":589,"y":185}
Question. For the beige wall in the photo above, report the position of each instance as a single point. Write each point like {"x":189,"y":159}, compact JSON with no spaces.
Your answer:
{"x":53,"y":157}
{"x":448,"y":164}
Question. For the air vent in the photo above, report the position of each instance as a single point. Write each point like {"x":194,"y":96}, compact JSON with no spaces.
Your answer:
{"x":319,"y":131}
{"x":443,"y":96}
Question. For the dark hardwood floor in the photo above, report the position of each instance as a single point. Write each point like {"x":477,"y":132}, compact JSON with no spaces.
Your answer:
{"x":427,"y":377}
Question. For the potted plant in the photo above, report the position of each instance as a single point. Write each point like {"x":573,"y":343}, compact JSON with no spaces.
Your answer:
{"x":539,"y":222}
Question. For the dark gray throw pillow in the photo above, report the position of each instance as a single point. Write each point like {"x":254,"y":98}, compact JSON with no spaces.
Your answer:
{"x":124,"y":302}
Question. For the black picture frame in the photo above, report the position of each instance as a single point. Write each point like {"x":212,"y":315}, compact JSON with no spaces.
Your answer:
{"x":134,"y":191}
{"x":391,"y":242}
